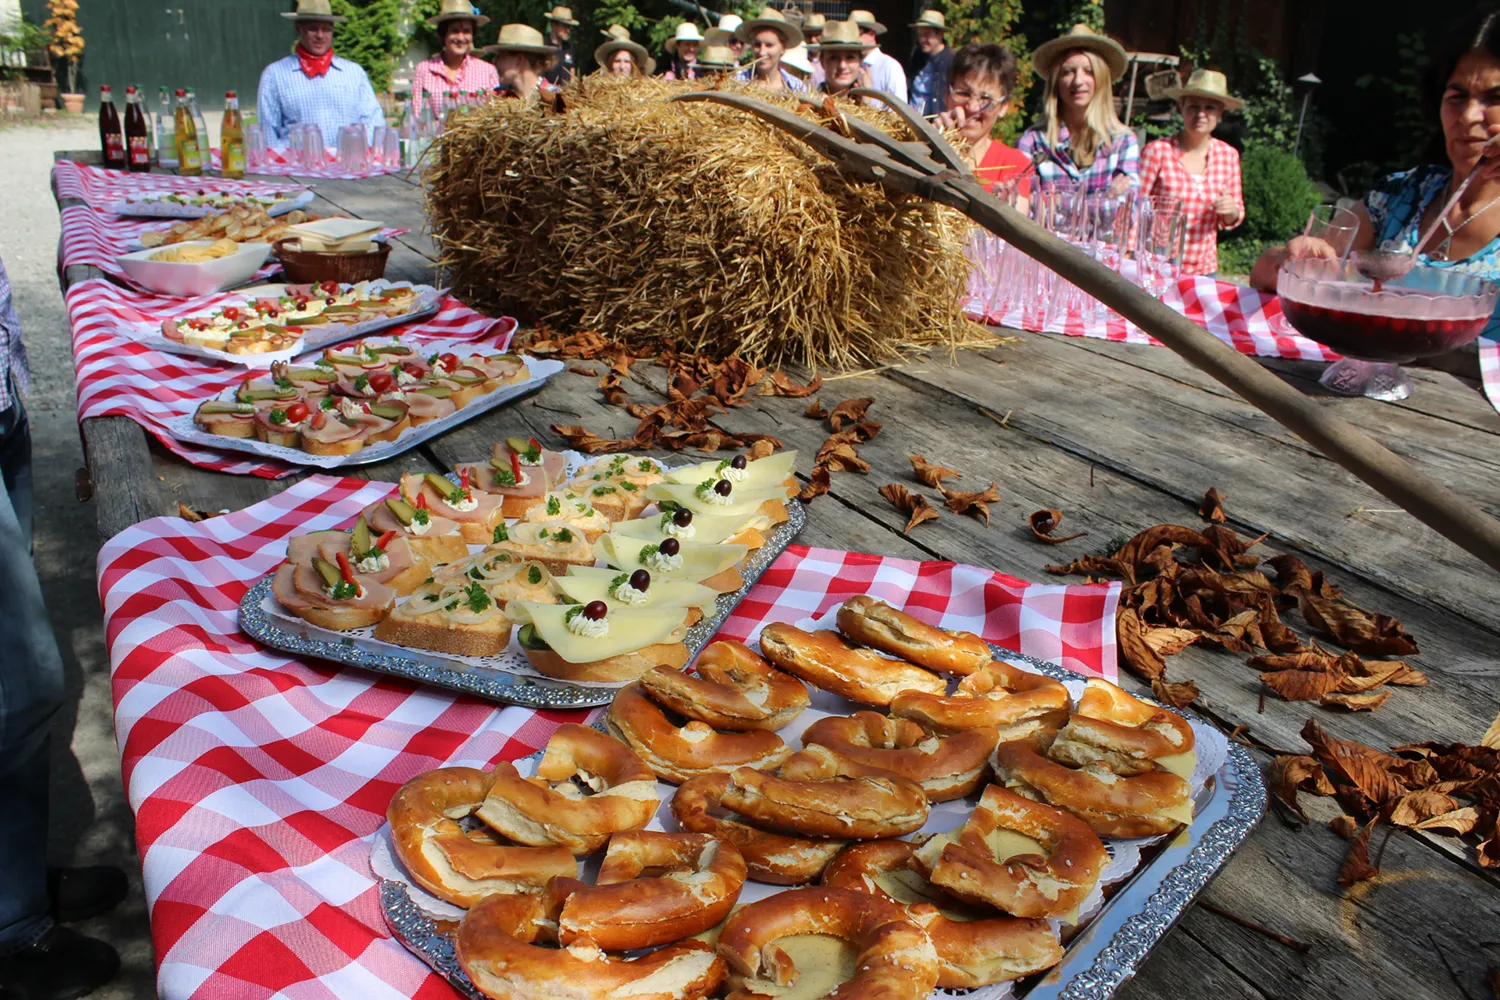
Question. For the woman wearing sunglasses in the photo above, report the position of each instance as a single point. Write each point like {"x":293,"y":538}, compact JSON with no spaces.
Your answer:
{"x":980,"y":83}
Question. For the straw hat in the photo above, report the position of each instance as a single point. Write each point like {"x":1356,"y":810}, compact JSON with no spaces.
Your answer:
{"x":730,"y":21}
{"x":719,"y":37}
{"x":687,"y":31}
{"x":1209,"y":83}
{"x":814,"y":22}
{"x":562,"y":15}
{"x":604,"y":53}
{"x":865,"y":19}
{"x":770,"y":17}
{"x":313,"y":10}
{"x":520,"y":38}
{"x":1081,"y":36}
{"x":796,"y":60}
{"x":718,"y":58}
{"x":930,"y":19}
{"x":842,"y":36}
{"x":457,"y":10}
{"x":616,"y":31}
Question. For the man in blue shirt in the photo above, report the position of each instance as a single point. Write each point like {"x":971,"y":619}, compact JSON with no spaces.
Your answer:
{"x":929,"y":66}
{"x":38,"y":956}
{"x":314,"y":85}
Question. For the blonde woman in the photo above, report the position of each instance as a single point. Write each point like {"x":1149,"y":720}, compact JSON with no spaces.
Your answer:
{"x":621,"y":57}
{"x":1083,"y":143}
{"x":769,"y":36}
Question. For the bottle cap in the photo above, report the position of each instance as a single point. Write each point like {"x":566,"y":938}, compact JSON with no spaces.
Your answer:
{"x":129,"y":90}
{"x":230,"y":94}
{"x":104,"y":88}
{"x":181,"y":92}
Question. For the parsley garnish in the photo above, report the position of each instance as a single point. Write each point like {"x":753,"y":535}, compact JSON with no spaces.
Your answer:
{"x":428,"y":580}
{"x":501,"y":535}
{"x":282,"y":382}
{"x":478,"y":599}
{"x":457,"y":495}
{"x":666,"y":518}
{"x":647,"y":551}
{"x":572,"y":613}
{"x":719,"y":470}
{"x":432,"y":359}
{"x":563,"y":535}
{"x":542,"y":533}
{"x":534,"y":575}
{"x":614,"y":584}
{"x":277,"y":417}
{"x":599,"y":491}
{"x":504,"y":477}
{"x":420,"y":515}
{"x":371,"y":353}
{"x":554,"y":506}
{"x":705,"y":487}
{"x":362,"y":383}
{"x":431,"y":597}
{"x":344,"y":591}
{"x":645,"y":465}
{"x":626,"y":485}
{"x":328,"y":403}
{"x":323,"y":363}
{"x":475,"y":574}
{"x":532,"y":453}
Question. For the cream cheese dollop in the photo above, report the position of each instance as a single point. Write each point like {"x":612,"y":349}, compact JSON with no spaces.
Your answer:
{"x":468,"y":503}
{"x":663,"y":563}
{"x":589,"y":628}
{"x":377,"y":563}
{"x":626,"y":594}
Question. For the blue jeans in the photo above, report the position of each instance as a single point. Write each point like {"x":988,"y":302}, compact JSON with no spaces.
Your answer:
{"x":31,"y":692}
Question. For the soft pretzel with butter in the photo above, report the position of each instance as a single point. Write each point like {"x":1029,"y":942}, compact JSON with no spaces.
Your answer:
{"x":1122,"y":732}
{"x":876,"y":624}
{"x":1014,"y":701}
{"x":496,"y":947}
{"x":947,"y":767}
{"x":733,"y":689}
{"x":1050,"y":884}
{"x":1112,"y":805}
{"x":769,"y":857}
{"x":677,"y":753}
{"x":896,"y":960}
{"x":972,"y":949}
{"x":816,"y":793}
{"x":553,"y":809}
{"x":701,"y":877}
{"x":827,"y":660}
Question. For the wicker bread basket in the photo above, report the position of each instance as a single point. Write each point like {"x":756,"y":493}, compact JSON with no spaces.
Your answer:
{"x":302,"y":267}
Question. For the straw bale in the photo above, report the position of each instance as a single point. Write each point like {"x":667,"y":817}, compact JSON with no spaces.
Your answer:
{"x":693,"y":224}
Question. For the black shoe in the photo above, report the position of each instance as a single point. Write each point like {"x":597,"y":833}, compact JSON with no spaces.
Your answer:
{"x":61,"y":966}
{"x":81,"y":893}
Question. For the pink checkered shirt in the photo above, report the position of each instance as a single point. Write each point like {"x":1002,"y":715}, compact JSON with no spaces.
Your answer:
{"x":1162,"y":173}
{"x":434,"y":77}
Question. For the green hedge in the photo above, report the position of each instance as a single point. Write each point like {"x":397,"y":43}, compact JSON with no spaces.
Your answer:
{"x":1278,"y":194}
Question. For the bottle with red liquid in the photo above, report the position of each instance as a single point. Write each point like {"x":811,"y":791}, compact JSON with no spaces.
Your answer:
{"x":111,"y":135}
{"x":137,"y":133}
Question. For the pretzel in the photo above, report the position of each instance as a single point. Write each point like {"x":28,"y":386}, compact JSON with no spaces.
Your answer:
{"x":451,"y":864}
{"x":551,"y":810}
{"x":827,"y":660}
{"x":946,"y":767}
{"x":1124,"y":733}
{"x":1112,"y":805}
{"x":676,"y":754}
{"x":1014,"y":701}
{"x":895,"y":959}
{"x":878,"y":625}
{"x":818,"y":794}
{"x":734,"y":689}
{"x":769,"y":857}
{"x":972,"y":867}
{"x":496,"y":947}
{"x":972,"y":950}
{"x":622,"y":910}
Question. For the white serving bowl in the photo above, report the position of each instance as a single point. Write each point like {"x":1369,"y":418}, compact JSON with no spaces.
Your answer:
{"x":174,"y":278}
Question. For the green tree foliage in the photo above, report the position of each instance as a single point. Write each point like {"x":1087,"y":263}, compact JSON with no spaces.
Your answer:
{"x":371,"y":37}
{"x":1278,"y":193}
{"x":995,"y":21}
{"x":1071,"y":12}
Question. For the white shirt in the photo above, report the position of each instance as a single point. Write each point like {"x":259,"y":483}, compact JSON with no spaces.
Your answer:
{"x":886,"y":73}
{"x":342,"y":96}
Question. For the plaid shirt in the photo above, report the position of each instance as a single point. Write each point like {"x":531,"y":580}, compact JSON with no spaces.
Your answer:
{"x":1162,"y":173}
{"x":12,"y":351}
{"x":790,"y":79}
{"x":342,"y":96}
{"x":434,"y":77}
{"x":1121,"y":156}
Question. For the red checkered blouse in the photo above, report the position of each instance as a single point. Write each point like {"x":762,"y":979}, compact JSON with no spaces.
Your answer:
{"x":433,"y":79}
{"x":1162,"y":173}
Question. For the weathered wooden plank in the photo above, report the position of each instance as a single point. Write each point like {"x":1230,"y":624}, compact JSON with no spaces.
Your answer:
{"x":1182,"y":967}
{"x":120,"y":468}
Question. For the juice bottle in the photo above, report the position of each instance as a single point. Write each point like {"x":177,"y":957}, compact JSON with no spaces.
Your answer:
{"x":232,"y":137}
{"x":137,"y":133}
{"x":111,"y":135}
{"x":166,"y":132}
{"x":189,"y":159}
{"x":200,"y":123}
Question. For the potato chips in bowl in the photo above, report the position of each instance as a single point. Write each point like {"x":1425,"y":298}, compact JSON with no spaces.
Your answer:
{"x":199,"y":267}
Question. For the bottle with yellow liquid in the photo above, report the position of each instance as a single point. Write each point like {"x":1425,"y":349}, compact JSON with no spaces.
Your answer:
{"x":232,"y":138}
{"x":189,"y":158}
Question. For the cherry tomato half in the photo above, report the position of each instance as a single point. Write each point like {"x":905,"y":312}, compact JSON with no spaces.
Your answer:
{"x":297,"y":412}
{"x":450,"y":361}
{"x":381,"y":382}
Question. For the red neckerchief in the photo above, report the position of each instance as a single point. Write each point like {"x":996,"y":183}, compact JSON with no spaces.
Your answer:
{"x":314,"y":66}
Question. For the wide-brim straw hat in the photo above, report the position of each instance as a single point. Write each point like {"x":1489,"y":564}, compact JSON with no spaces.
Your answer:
{"x":717,"y":37}
{"x":930,"y":19}
{"x":842,"y":36}
{"x":865,"y":19}
{"x":520,"y":38}
{"x":687,"y":31}
{"x":457,"y":10}
{"x":1080,"y":36}
{"x":313,"y":10}
{"x":814,"y":22}
{"x":770,"y":17}
{"x":718,"y":58}
{"x":643,"y":60}
{"x":730,"y":21}
{"x":616,"y":31}
{"x":797,"y":60}
{"x":562,"y":15}
{"x":1208,"y":83}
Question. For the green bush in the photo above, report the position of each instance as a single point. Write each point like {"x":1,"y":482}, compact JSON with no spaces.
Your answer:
{"x":1237,"y":256}
{"x":1278,"y":194}
{"x":371,"y":37}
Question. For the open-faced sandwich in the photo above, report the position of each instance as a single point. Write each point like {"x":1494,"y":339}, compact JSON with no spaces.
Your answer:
{"x":714,"y":566}
{"x":687,"y":526}
{"x":554,"y":544}
{"x":478,"y":513}
{"x":457,"y":618}
{"x":592,"y":642}
{"x":744,"y":473}
{"x":386,"y":557}
{"x":504,"y":576}
{"x":331,"y":594}
{"x":432,"y":537}
{"x":721,"y":496}
{"x":618,"y":589}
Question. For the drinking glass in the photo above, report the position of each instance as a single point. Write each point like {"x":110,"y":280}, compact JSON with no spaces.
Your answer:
{"x":392,"y":149}
{"x":1161,"y":236}
{"x":1334,"y":226}
{"x":352,"y":149}
{"x":376,"y":151}
{"x":255,"y":148}
{"x":307,"y":141}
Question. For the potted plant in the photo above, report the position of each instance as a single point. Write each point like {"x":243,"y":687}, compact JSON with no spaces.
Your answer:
{"x":66,"y":44}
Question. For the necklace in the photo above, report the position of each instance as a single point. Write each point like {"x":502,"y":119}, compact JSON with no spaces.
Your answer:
{"x":1440,"y":252}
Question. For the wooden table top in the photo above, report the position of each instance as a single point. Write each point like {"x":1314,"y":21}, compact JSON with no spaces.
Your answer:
{"x":1120,"y":438}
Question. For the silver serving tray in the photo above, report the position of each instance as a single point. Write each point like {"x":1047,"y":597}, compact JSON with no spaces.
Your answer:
{"x":495,"y":685}
{"x":1105,"y":954}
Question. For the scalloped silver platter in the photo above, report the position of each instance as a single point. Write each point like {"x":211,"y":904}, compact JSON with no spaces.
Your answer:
{"x":1100,"y":958}
{"x":495,"y":685}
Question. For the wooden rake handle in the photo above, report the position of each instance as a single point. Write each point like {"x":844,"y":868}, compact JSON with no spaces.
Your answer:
{"x":1392,"y":476}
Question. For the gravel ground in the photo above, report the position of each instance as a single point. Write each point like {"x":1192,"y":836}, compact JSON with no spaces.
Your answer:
{"x":91,"y":820}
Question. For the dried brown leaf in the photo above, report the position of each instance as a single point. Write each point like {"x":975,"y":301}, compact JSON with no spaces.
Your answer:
{"x":817,"y":484}
{"x":1355,"y":702}
{"x":1455,"y":823}
{"x":1167,"y":640}
{"x":1418,"y":806}
{"x":1301,"y":685}
{"x":581,"y":370}
{"x":1363,"y":774}
{"x":1491,"y":737}
{"x":840,"y":457}
{"x":1178,"y":694}
{"x":1365,"y":633}
{"x":1212,"y":507}
{"x":850,"y":411}
{"x":1044,"y":522}
{"x":815,"y":410}
{"x":760,"y":448}
{"x":780,"y":384}
{"x":587,"y":441}
{"x":973,"y":501}
{"x":1344,"y":825}
{"x":907,"y":502}
{"x":1489,"y":849}
{"x":1289,"y":774}
{"x":1139,"y":655}
{"x":1297,"y":661}
{"x":614,"y":394}
{"x":1356,"y":866}
{"x":932,"y":475}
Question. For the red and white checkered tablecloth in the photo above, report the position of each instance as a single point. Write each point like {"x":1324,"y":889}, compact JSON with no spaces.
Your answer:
{"x":1489,"y":370}
{"x":277,"y":162}
{"x":121,"y":376}
{"x":102,"y":188}
{"x":259,"y":781}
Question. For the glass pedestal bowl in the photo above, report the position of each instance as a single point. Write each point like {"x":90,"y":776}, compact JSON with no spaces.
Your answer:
{"x":1427,"y":312}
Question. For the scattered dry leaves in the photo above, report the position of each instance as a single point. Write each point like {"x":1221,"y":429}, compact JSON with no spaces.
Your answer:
{"x":781,"y":384}
{"x":587,"y":441}
{"x":1355,"y":702}
{"x":850,"y":411}
{"x":1344,"y":825}
{"x":815,"y":410}
{"x":764,"y":448}
{"x":1178,"y":695}
{"x":973,"y":501}
{"x":817,"y":484}
{"x":912,"y":504}
{"x":931,"y":474}
{"x":1291,"y":773}
{"x":1045,"y":522}
{"x":1212,"y":507}
{"x":609,"y":387}
{"x":1356,"y":866}
{"x":1491,"y":737}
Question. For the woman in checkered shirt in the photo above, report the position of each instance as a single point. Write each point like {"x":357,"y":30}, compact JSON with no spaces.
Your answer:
{"x":1199,"y":172}
{"x":455,"y":68}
